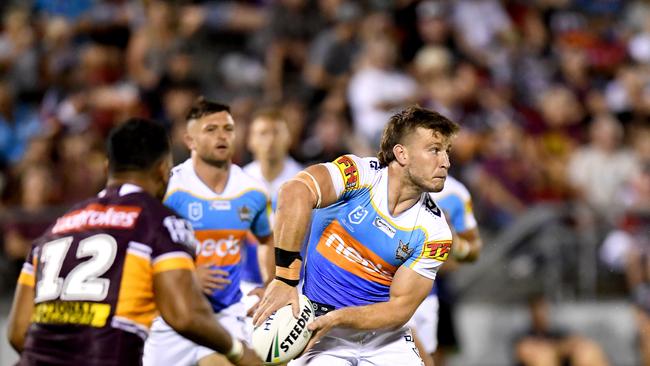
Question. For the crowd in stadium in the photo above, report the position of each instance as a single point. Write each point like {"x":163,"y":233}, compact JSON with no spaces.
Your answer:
{"x":553,"y":96}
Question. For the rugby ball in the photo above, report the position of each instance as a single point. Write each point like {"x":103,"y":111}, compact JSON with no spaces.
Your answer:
{"x":282,"y":337}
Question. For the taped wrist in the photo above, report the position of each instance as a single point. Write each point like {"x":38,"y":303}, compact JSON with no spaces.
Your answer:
{"x":287,"y":266}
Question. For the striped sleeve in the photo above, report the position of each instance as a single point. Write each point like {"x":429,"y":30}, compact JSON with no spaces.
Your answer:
{"x":173,"y":247}
{"x":28,"y":272}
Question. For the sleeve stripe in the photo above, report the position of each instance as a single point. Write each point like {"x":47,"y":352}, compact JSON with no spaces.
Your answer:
{"x":26,"y":278}
{"x":173,"y":263}
{"x":175,"y":254}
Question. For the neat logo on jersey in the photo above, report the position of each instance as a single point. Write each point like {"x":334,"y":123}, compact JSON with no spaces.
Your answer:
{"x":430,"y":206}
{"x":220,"y":205}
{"x":219,"y":247}
{"x":438,"y":250}
{"x":357,"y":215}
{"x":195,"y":211}
{"x":344,"y":251}
{"x":97,"y":216}
{"x":385,"y":227}
{"x":349,"y":171}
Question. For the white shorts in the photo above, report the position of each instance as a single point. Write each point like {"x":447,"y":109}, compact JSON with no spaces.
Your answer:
{"x":166,"y":347}
{"x":249,"y":301}
{"x":425,"y":323}
{"x":349,"y":347}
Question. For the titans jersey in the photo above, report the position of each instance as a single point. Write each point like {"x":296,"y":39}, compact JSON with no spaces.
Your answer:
{"x":291,"y":168}
{"x":355,"y":245}
{"x":221,"y":221}
{"x":456,"y":201}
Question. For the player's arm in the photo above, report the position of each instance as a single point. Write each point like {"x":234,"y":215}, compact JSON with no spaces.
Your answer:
{"x":467,"y":245}
{"x":407,"y":291}
{"x":183,"y":306}
{"x":309,"y":189}
{"x":20,"y":316}
{"x":266,"y":258}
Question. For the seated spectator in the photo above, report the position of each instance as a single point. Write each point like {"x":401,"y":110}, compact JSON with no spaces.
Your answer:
{"x":545,"y":345}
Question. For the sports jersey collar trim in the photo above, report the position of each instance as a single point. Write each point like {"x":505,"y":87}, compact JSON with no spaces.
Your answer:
{"x":125,"y":189}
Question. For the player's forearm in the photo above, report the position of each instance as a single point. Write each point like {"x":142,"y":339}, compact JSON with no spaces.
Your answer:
{"x":368,"y":317}
{"x":266,"y":261}
{"x":293,"y":216}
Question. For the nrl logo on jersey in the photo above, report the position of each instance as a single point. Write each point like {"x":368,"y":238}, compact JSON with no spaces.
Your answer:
{"x":385,"y":227}
{"x":195,"y":211}
{"x":245,"y":213}
{"x":357,"y":215}
{"x":403,"y":251}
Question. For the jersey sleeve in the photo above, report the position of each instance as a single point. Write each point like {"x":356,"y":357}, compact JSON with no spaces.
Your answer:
{"x":28,"y":272}
{"x":173,"y":245}
{"x":261,"y":226}
{"x":433,"y":252}
{"x":350,"y":173}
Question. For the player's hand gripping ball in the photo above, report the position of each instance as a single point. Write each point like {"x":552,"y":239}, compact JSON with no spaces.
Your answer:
{"x":282,"y":337}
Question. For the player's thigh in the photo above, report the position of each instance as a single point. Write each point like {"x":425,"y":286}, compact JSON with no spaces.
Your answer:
{"x":166,"y":347}
{"x":329,"y":351}
{"x":425,"y":323}
{"x":214,"y":359}
{"x":395,"y":348}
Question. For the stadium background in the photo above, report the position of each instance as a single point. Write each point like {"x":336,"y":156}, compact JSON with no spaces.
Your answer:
{"x":553,"y":97}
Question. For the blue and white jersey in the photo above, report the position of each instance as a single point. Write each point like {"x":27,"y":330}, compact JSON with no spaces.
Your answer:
{"x":355,"y":245}
{"x":456,"y":201}
{"x":221,"y":221}
{"x":251,"y":271}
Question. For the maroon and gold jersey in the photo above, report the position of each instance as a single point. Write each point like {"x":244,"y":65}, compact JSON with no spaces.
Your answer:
{"x":92,"y":272}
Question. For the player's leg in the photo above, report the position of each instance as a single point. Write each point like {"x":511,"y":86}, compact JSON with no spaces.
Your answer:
{"x":390,"y":348}
{"x":166,"y":347}
{"x":233,"y":319}
{"x":332,"y":350}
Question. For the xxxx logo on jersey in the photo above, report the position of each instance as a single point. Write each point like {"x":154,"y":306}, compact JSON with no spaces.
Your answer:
{"x":349,"y":172}
{"x":438,"y":249}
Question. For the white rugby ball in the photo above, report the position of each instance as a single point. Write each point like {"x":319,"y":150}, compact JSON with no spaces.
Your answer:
{"x":282,"y":337}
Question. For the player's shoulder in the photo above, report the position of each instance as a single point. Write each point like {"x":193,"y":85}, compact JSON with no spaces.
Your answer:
{"x":181,"y":176}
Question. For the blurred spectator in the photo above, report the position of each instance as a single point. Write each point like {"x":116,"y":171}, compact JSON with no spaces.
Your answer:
{"x":598,"y":170}
{"x":19,"y":58}
{"x":545,"y":345}
{"x":377,"y":87}
{"x":18,"y":124}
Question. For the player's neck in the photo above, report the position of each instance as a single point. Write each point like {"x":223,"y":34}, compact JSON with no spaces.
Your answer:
{"x":402,"y":194}
{"x":138,"y":179}
{"x":215,"y":177}
{"x":271,"y":168}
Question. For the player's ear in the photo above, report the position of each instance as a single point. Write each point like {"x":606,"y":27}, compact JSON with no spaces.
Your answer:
{"x":401,"y":154}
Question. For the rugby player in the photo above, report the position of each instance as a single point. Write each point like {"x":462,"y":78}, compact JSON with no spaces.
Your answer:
{"x":94,"y":281}
{"x":375,"y":243}
{"x":269,"y":140}
{"x":223,"y":204}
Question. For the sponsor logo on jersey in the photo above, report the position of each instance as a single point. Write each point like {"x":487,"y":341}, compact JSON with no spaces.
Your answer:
{"x":245,"y":213}
{"x":195,"y":211}
{"x":403,"y":251}
{"x":349,"y":172}
{"x":385,"y":227}
{"x":220,"y":205}
{"x":431,"y":206}
{"x":438,"y":250}
{"x":97,"y":216}
{"x":72,"y":312}
{"x":357,"y":215}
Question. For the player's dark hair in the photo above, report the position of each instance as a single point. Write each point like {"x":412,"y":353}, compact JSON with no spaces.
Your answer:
{"x":203,"y":107}
{"x":136,"y":145}
{"x":402,"y":123}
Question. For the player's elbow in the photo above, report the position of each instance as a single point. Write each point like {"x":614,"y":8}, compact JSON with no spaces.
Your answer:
{"x":16,"y":339}
{"x":182,"y":321}
{"x":294,"y":193}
